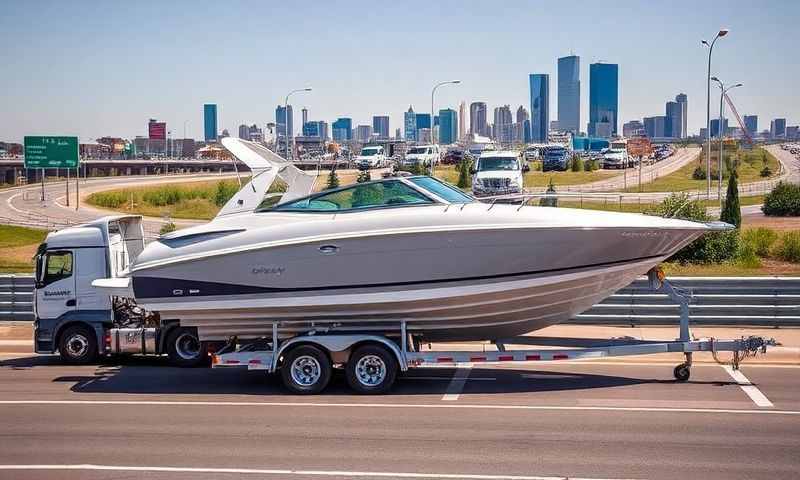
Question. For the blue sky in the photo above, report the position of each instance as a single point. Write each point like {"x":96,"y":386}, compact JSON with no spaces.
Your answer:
{"x":103,"y":68}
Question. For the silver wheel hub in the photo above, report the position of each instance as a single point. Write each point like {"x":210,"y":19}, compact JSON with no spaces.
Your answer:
{"x":306,"y":370}
{"x":370,"y":370}
{"x":187,"y":346}
{"x":77,"y":345}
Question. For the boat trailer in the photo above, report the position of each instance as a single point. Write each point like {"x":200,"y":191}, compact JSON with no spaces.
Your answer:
{"x":375,"y":359}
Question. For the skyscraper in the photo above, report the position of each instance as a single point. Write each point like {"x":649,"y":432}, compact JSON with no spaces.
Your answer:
{"x":683,"y":101}
{"x":423,"y":121}
{"x":478,"y":119}
{"x":210,"y":122}
{"x":522,"y":126}
{"x":751,"y":122}
{"x":342,"y":129}
{"x":448,"y":126}
{"x":410,"y":124}
{"x":634,"y":128}
{"x":304,"y":113}
{"x":281,"y":120}
{"x":715,"y":128}
{"x":244,"y":132}
{"x":462,"y":120}
{"x":655,"y":126}
{"x":363,"y":133}
{"x":380,"y":126}
{"x":603,"y":99}
{"x":540,"y":106}
{"x":569,"y":93}
{"x":503,"y":128}
{"x":674,"y":121}
{"x":777,"y":128}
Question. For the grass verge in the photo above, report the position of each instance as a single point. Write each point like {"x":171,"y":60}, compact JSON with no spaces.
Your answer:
{"x":17,"y":247}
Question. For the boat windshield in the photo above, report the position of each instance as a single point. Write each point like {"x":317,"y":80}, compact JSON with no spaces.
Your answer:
{"x":441,"y":189}
{"x":386,"y":193}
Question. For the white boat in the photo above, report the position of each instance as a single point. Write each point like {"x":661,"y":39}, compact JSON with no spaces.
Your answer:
{"x":369,"y":256}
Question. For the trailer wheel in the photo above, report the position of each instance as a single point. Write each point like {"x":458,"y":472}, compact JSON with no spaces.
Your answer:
{"x":682,"y":372}
{"x":306,"y":370}
{"x":185,"y":348}
{"x":78,"y":345}
{"x":371,"y":370}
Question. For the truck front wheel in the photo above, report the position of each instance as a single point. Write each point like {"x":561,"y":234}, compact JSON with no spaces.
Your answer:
{"x":78,"y":345}
{"x":185,"y":348}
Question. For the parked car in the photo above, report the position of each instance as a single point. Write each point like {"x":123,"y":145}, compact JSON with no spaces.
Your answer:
{"x":421,"y":154}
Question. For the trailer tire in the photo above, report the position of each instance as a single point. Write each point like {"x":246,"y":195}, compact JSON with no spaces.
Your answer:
{"x":682,"y":372}
{"x":371,"y":370}
{"x":78,"y":345}
{"x":306,"y":370}
{"x":185,"y":349}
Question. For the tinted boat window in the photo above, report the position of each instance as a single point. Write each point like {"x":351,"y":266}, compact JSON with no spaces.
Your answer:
{"x":441,"y":189}
{"x":366,"y":195}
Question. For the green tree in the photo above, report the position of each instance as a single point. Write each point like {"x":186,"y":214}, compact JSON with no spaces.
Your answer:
{"x":731,"y":213}
{"x":464,"y":177}
{"x":333,"y":180}
{"x":577,"y":164}
{"x":363,"y":176}
{"x":549,"y":201}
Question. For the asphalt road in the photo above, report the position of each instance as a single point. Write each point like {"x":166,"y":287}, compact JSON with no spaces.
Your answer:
{"x":141,"y":419}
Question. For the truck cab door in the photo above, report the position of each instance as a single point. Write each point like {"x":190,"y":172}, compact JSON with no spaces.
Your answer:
{"x":55,"y":284}
{"x":91,"y":265}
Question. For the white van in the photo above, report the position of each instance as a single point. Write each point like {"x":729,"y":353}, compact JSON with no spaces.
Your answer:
{"x":617,"y":155}
{"x":498,"y":173}
{"x":371,"y":157}
{"x":422,"y":155}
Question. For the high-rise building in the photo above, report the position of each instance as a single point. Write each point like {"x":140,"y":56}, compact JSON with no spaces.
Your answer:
{"x":304,"y":114}
{"x":423,"y":121}
{"x":363,"y":133}
{"x":311,"y":129}
{"x":569,"y":93}
{"x":655,"y":127}
{"x":522,"y":126}
{"x":603,"y":99}
{"x":478,"y":123}
{"x":210,"y":122}
{"x":673,"y":120}
{"x":448,"y":126}
{"x":634,"y":128}
{"x":397,"y":135}
{"x":342,"y":129}
{"x":715,"y":130}
{"x":751,"y":123}
{"x":503,"y":127}
{"x":777,"y":128}
{"x":380,"y":126}
{"x":462,"y":120}
{"x":282,"y":122}
{"x":793,"y":132}
{"x":255,"y":133}
{"x":244,"y":132}
{"x":540,"y":106}
{"x":683,"y":101}
{"x":410,"y":124}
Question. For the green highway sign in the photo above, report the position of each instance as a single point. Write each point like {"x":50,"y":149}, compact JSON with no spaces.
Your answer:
{"x":51,"y":152}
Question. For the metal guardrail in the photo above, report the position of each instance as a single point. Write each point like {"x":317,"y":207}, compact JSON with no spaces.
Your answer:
{"x":758,"y":301}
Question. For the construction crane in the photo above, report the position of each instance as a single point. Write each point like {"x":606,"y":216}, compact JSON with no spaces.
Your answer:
{"x":739,"y":120}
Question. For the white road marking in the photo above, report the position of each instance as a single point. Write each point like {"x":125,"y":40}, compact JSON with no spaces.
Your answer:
{"x":555,"y":408}
{"x":271,"y":471}
{"x":751,"y":390}
{"x":457,"y":383}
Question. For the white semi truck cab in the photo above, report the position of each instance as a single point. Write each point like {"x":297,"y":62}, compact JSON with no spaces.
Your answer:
{"x":82,"y":323}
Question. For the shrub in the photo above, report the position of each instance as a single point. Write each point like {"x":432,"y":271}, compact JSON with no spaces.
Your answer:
{"x":731,"y":213}
{"x":464,"y":177}
{"x":766,"y":171}
{"x":113,"y":199}
{"x":789,"y":247}
{"x":577,"y":163}
{"x":224,"y":192}
{"x":760,"y":240}
{"x":166,"y":228}
{"x":782,"y":201}
{"x":699,"y":173}
{"x":363,"y":176}
{"x":746,"y":256}
{"x":333,"y":180}
{"x":589,"y":165}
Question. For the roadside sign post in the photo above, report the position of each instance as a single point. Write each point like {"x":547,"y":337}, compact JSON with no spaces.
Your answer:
{"x":639,"y":147}
{"x":52,"y":152}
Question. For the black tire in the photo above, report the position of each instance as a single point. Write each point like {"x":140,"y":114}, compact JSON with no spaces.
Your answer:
{"x":185,"y":349}
{"x":78,"y":345}
{"x":371,"y":370}
{"x":682,"y":372}
{"x":306,"y":370}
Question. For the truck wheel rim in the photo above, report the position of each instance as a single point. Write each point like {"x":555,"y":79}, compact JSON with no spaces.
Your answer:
{"x":187,"y":346}
{"x":77,"y":345}
{"x":306,"y":370}
{"x":370,"y":370}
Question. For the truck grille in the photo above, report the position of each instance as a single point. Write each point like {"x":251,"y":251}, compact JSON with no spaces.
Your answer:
{"x":497,"y":182}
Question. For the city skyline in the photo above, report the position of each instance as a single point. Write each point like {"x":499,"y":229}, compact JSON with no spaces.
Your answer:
{"x":135,"y":85}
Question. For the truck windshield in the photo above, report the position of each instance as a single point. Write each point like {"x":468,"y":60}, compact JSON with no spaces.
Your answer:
{"x":486,"y":164}
{"x":417,"y":151}
{"x":368,"y":152}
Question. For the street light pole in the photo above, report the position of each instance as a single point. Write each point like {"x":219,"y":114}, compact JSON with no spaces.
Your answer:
{"x":722,"y":91}
{"x":436,"y":143}
{"x":710,"y":46}
{"x":286,"y":119}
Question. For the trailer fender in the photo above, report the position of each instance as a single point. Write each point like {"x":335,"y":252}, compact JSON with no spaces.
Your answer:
{"x":340,"y":343}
